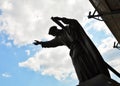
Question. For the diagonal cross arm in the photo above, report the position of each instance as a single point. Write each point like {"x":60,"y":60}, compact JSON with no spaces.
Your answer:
{"x":58,"y":22}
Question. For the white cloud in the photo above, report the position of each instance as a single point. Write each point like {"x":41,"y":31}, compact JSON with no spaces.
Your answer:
{"x":8,"y":44}
{"x":6,"y":75}
{"x":96,"y":25}
{"x":50,"y":62}
{"x":115,"y":63}
{"x":7,"y":5}
{"x":106,"y":44}
{"x":71,"y":2}
{"x":26,"y":20}
{"x":73,"y":76}
{"x":110,"y":54}
{"x":112,"y":57}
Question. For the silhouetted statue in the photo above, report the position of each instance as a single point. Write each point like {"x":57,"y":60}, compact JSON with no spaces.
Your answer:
{"x":86,"y":58}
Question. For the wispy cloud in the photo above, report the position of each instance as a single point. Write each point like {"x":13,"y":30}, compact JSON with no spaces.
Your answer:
{"x":6,"y":75}
{"x":8,"y":44}
{"x":112,"y":57}
{"x":106,"y":44}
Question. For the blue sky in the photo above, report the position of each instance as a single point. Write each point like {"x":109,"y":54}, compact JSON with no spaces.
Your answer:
{"x":12,"y":75}
{"x":23,"y":64}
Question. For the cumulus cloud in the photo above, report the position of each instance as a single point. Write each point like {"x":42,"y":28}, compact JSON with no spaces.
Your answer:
{"x":26,"y":20}
{"x":54,"y":62}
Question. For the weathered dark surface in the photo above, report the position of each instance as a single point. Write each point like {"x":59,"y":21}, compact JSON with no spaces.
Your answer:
{"x":112,"y":19}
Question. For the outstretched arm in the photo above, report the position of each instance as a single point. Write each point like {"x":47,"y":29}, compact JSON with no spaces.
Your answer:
{"x":52,"y":43}
{"x":36,"y":42}
{"x":64,"y":20}
{"x":56,"y":20}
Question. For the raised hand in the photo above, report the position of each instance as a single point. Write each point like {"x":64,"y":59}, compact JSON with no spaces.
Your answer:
{"x":58,"y":18}
{"x":36,"y":42}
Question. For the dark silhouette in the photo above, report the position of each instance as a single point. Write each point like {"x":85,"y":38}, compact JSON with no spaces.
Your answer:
{"x":86,"y":59}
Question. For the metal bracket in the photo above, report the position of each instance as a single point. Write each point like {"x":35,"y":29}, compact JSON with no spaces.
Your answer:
{"x":98,"y":16}
{"x":95,"y":16}
{"x":116,"y":45}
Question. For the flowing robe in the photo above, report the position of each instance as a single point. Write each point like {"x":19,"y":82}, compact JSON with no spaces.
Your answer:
{"x":86,"y":59}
